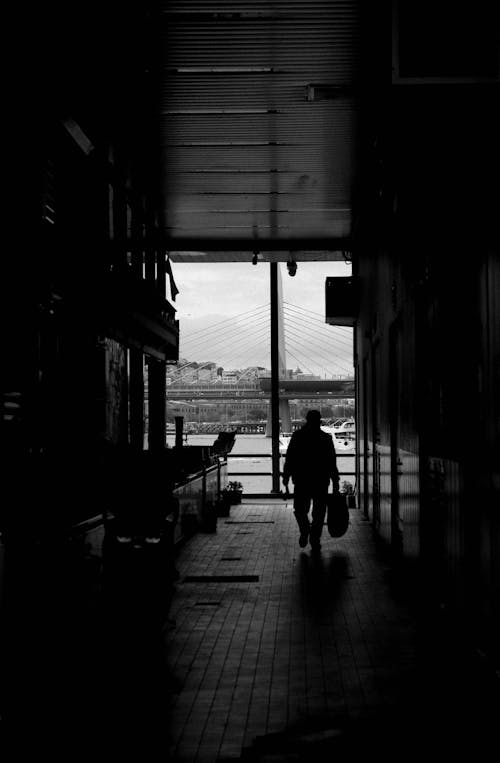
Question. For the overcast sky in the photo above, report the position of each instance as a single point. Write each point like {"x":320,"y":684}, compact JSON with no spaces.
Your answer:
{"x":232,"y":289}
{"x":222,"y":314}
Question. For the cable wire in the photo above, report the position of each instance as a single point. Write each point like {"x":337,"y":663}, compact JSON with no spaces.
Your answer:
{"x":326,"y":332}
{"x":230,"y":320}
{"x":331,"y":342}
{"x":230,"y":332}
{"x":231,"y":329}
{"x":311,"y":312}
{"x":294,"y":334}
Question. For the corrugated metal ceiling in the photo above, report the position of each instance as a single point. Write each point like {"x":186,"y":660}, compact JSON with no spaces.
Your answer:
{"x":258,"y":122}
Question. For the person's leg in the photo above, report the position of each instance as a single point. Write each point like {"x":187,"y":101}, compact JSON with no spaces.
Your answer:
{"x":318,"y":515}
{"x":301,"y":504}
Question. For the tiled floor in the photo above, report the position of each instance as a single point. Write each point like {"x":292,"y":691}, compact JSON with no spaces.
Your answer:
{"x":269,"y":653}
{"x":311,"y":646}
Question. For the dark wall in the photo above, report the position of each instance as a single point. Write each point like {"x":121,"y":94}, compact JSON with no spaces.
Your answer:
{"x":427,"y":338}
{"x":78,"y":174}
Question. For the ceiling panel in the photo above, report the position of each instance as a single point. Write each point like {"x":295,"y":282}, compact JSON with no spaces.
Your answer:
{"x":258,"y":120}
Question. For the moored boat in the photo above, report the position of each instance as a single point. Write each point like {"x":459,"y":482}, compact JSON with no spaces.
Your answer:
{"x":343,"y":432}
{"x":284,"y":441}
{"x":344,"y":435}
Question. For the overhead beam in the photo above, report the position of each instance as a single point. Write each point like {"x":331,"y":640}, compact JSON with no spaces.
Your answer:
{"x":262,"y":245}
{"x":231,"y":247}
{"x":263,"y":256}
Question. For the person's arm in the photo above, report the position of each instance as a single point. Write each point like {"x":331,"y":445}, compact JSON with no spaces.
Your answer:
{"x":288,"y":466}
{"x":334,"y":472}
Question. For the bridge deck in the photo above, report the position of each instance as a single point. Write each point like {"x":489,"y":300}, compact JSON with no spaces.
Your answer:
{"x":333,"y":389}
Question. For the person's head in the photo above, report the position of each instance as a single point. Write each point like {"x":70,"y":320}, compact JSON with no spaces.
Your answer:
{"x":313,"y":418}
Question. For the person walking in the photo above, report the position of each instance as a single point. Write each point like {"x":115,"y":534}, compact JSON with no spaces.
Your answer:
{"x":311,"y":463}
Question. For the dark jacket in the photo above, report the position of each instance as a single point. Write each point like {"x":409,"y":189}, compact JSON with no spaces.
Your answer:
{"x":311,"y":457}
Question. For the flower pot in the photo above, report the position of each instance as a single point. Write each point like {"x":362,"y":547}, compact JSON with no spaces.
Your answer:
{"x":223,"y":507}
{"x":208,"y":519}
{"x":209,"y":523}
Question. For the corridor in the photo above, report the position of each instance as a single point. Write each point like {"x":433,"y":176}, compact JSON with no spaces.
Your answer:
{"x":148,"y":138}
{"x":277,"y":654}
{"x":261,"y":651}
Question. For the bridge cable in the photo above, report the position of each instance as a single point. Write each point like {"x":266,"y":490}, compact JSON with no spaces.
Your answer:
{"x":328,"y":341}
{"x":294,"y":336}
{"x":329,"y":371}
{"x":231,"y":320}
{"x":214,"y":349}
{"x":326,"y":332}
{"x":243,"y":347}
{"x":322,"y":330}
{"x":229,"y":332}
{"x":320,"y":315}
{"x":298,"y":346}
{"x":301,"y":363}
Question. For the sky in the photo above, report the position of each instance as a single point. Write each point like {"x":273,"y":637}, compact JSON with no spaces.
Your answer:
{"x":224,"y":316}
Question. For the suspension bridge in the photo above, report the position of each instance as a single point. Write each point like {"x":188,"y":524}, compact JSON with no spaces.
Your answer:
{"x":288,"y":389}
{"x":323,"y":355}
{"x":243,"y":342}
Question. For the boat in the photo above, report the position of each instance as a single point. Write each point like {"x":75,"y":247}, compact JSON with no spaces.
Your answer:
{"x":284,"y":441}
{"x":343,"y":432}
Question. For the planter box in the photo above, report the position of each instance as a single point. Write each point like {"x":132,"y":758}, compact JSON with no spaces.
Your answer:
{"x":231,"y":496}
{"x":223,"y":507}
{"x":209,"y":521}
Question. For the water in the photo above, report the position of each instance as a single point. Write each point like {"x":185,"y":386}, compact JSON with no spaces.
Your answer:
{"x":256,"y":447}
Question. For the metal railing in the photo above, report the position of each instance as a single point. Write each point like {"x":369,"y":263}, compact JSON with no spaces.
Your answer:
{"x":231,"y":473}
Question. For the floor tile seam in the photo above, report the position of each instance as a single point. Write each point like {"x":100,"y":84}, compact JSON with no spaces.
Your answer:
{"x":196,"y":655}
{"x":209,"y":719}
{"x":180,"y":611}
{"x":328,"y":646}
{"x":344,"y":673}
{"x":199,"y":618}
{"x":240,"y":734}
{"x":185,"y":651}
{"x":355,"y":647}
{"x":283,"y":630}
{"x":243,"y":664}
{"x":292,"y":667}
{"x":184,"y":726}
{"x":228,"y":656}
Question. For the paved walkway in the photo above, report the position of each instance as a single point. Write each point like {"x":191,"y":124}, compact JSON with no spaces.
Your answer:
{"x":279,"y":653}
{"x":264,"y":652}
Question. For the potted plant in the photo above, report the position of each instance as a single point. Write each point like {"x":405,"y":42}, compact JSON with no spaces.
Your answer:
{"x":229,"y":495}
{"x":233,"y":491}
{"x":223,"y":505}
{"x":209,"y":517}
{"x":350,"y":496}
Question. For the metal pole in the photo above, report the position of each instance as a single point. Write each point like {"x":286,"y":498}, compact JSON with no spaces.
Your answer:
{"x":275,"y":413}
{"x":156,"y":400}
{"x":136,"y":399}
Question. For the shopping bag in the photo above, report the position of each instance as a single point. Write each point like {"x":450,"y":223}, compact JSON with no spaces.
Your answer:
{"x":337,"y":517}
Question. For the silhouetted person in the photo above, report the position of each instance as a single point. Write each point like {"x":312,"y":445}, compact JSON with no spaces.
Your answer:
{"x":311,"y":462}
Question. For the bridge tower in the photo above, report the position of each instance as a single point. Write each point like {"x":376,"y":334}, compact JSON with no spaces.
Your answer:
{"x":284,"y":405}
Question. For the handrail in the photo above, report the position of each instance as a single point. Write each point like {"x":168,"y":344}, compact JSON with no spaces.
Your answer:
{"x":268,"y":455}
{"x":269,"y":474}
